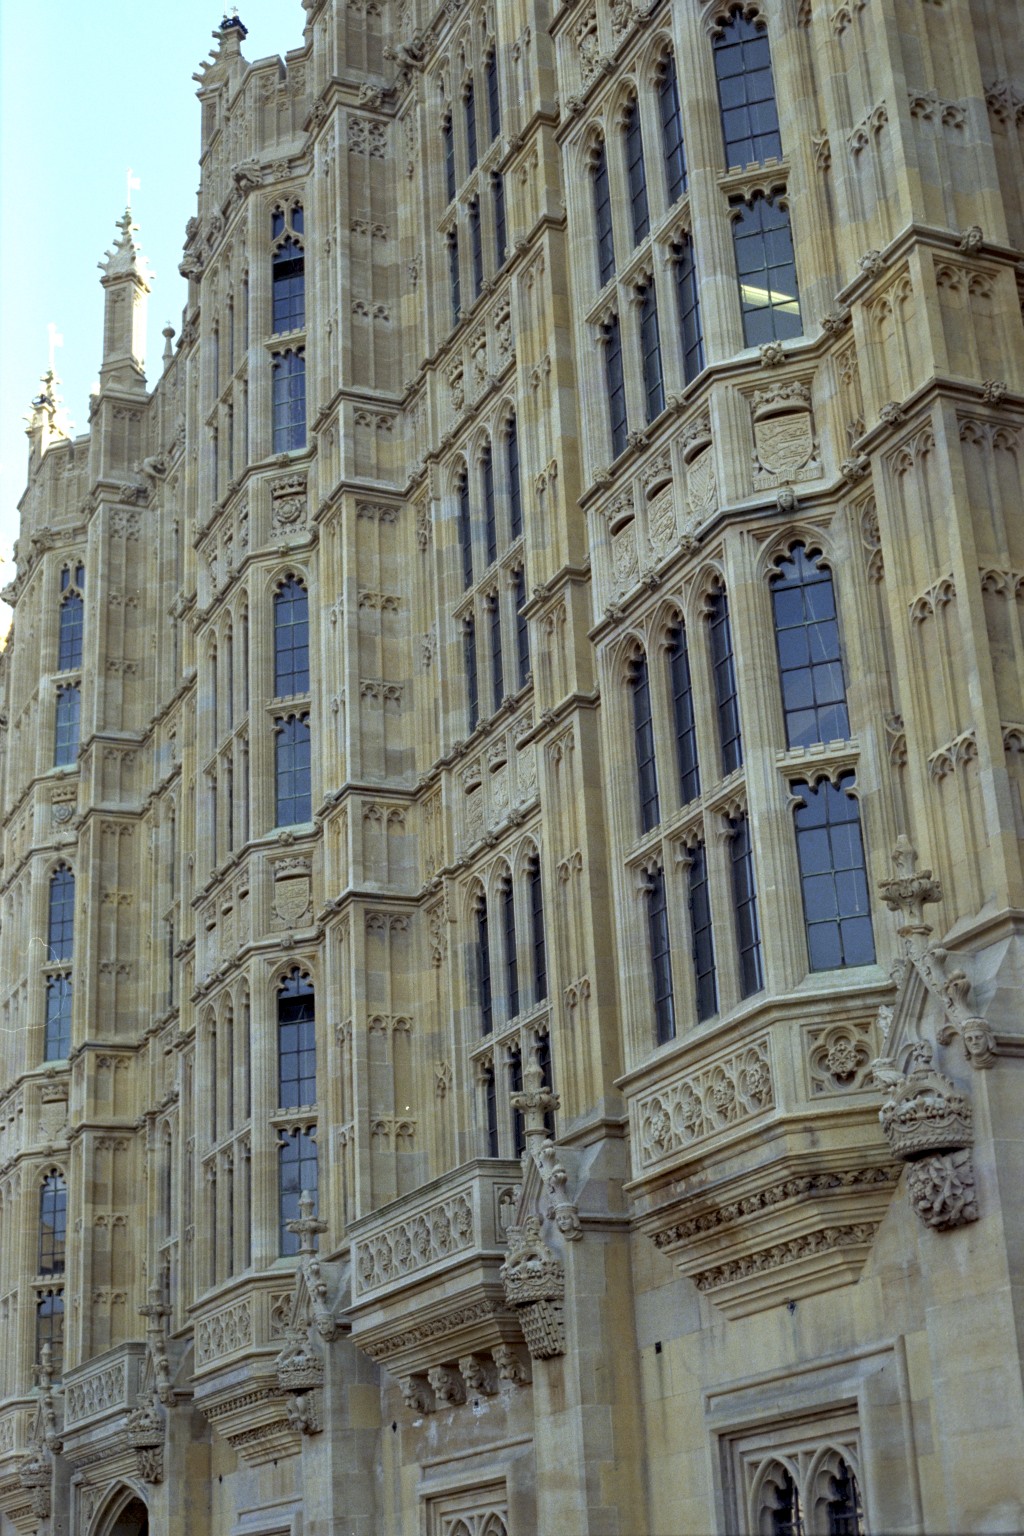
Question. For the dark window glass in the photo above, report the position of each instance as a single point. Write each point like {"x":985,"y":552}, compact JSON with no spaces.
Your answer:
{"x":832,"y":875}
{"x":454,"y":286}
{"x":50,"y":1327}
{"x":650,"y":349}
{"x":807,"y":641}
{"x":515,"y":1085}
{"x":61,"y":920}
{"x":490,"y":517}
{"x":288,"y":287}
{"x":746,"y":93}
{"x":508,"y":912}
{"x":635,"y":173}
{"x":297,"y":1172}
{"x":616,"y":387}
{"x":540,"y":953}
{"x":277,"y":224}
{"x":296,"y":1041}
{"x":602,"y":214}
{"x":515,"y":492}
{"x":672,"y":130}
{"x":448,"y":142}
{"x":66,"y":725}
{"x":522,"y":629}
{"x":288,"y":391}
{"x":683,"y":717}
{"x":58,"y":1018}
{"x":691,"y":335}
{"x":53,"y":1222}
{"x":471,"y":150}
{"x":483,"y":969}
{"x":465,"y":531}
{"x":491,"y":1109}
{"x":72,"y":622}
{"x":293,"y":778}
{"x":844,"y":1510}
{"x":497,"y":663}
{"x":643,"y":742}
{"x":291,"y":638}
{"x":744,"y":897}
{"x":500,"y":230}
{"x":765,"y":270}
{"x":661,"y":960}
{"x":730,"y":740}
{"x":542,"y":1050}
{"x":702,"y":944}
{"x":493,"y":99}
{"x":472,"y":684}
{"x":787,"y":1516}
{"x":476,"y":245}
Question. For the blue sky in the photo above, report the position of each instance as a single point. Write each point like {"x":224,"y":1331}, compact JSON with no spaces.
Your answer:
{"x":87,"y":89}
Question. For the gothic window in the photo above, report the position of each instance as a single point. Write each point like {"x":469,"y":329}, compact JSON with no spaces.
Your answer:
{"x":53,"y":1220}
{"x":497,"y":663}
{"x":500,"y":230}
{"x":485,"y":1000}
{"x":66,"y":724}
{"x":601,"y":193}
{"x":650,"y":352}
{"x":448,"y":144}
{"x":636,"y":174}
{"x":681,"y":686}
{"x":490,"y":1088}
{"x":843,"y":1508}
{"x":672,"y":129}
{"x":702,"y":946}
{"x":57,"y":1042}
{"x":765,"y":269}
{"x":538,"y":944}
{"x":50,"y":1326}
{"x":476,"y":245}
{"x":643,"y":744}
{"x":615,"y":385}
{"x":288,"y":280}
{"x":454,"y":285}
{"x":661,"y":958}
{"x":744,"y":897}
{"x":293,"y":773}
{"x":297,"y":1172}
{"x":72,"y":619}
{"x":493,"y":98}
{"x":469,"y":660}
{"x":465,"y":529}
{"x":807,"y":641}
{"x":490,"y":515}
{"x":783,"y":1506}
{"x":515,"y":493}
{"x":833,"y":877}
{"x":542,"y":1051}
{"x":61,"y":917}
{"x":508,"y":916}
{"x":291,"y":638}
{"x":522,"y":629}
{"x":746,"y":92}
{"x":726,"y":699}
{"x":469,"y":98}
{"x":691,"y":335}
{"x":288,"y":399}
{"x":296,"y":1041}
{"x":515,"y":1085}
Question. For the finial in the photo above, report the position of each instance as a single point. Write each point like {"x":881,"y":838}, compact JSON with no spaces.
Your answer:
{"x":233,"y":23}
{"x":308,"y":1227}
{"x":125,"y":259}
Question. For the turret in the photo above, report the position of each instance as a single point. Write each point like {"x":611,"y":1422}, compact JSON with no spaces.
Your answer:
{"x":126,"y":278}
{"x":46,"y":423}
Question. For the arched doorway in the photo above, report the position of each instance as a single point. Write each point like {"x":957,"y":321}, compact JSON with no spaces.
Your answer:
{"x":132,"y":1521}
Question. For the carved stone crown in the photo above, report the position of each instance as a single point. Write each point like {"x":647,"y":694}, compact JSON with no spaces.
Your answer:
{"x":532,"y":1272}
{"x":923,"y":1112}
{"x":299,"y":1370}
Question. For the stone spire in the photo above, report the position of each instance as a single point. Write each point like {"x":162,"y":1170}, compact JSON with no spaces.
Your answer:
{"x":126,"y":279}
{"x":46,"y":421}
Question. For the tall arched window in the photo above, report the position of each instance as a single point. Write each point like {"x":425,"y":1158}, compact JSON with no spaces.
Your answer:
{"x":691,"y":332}
{"x":601,"y":192}
{"x":469,"y":99}
{"x":538,"y":943}
{"x":291,"y":638}
{"x":493,"y":99}
{"x":807,"y":642}
{"x":746,"y":91}
{"x":296,"y":1041}
{"x":490,"y":511}
{"x":726,"y":696}
{"x":293,"y":770}
{"x":465,"y":528}
{"x":650,"y":353}
{"x":472,"y":679}
{"x":681,"y":686}
{"x":508,"y":919}
{"x":615,"y":385}
{"x":61,"y":917}
{"x":765,"y":269}
{"x":72,"y":618}
{"x":672,"y":129}
{"x":298,"y":1171}
{"x":66,"y":724}
{"x":53,"y":1221}
{"x":448,"y":147}
{"x":636,"y":174}
{"x":50,"y":1327}
{"x":833,"y":876}
{"x":515,"y":491}
{"x":485,"y":1000}
{"x":288,"y":270}
{"x":661,"y":957}
{"x":643,"y":744}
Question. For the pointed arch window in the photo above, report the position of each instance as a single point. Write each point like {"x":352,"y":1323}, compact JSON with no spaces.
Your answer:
{"x":601,"y":193}
{"x":643,"y":744}
{"x":61,"y":916}
{"x":296,"y":1041}
{"x":522,"y":629}
{"x":490,"y":1089}
{"x":660,"y":956}
{"x":702,"y":945}
{"x":765,"y":269}
{"x":672,"y":129}
{"x":515,"y":490}
{"x":298,"y":1172}
{"x":500,"y":228}
{"x":615,"y":385}
{"x":448,"y":146}
{"x":288,"y":399}
{"x":469,"y":99}
{"x":650,"y":352}
{"x":50,"y":1327}
{"x":784,"y":1507}
{"x":67,"y":717}
{"x":636,"y":173}
{"x":472,"y":680}
{"x":497,"y":659}
{"x":508,"y":917}
{"x":726,"y":696}
{"x":485,"y":998}
{"x":843,"y":1507}
{"x":454,"y":281}
{"x":288,"y":286}
{"x":807,"y":643}
{"x":53,"y":1220}
{"x":683,"y":717}
{"x":465,"y":529}
{"x":493,"y":96}
{"x":72,"y":618}
{"x":293,"y":769}
{"x":291,"y":638}
{"x":538,"y":943}
{"x":476,"y":246}
{"x":490,"y":516}
{"x":833,"y":875}
{"x":691,"y":334}
{"x":746,"y":91}
{"x":744,"y":896}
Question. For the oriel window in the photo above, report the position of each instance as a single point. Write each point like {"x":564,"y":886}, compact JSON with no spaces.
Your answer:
{"x":472,"y":680}
{"x":293,"y":770}
{"x":615,"y":386}
{"x":298,"y":1172}
{"x":650,"y":349}
{"x":288,"y":400}
{"x":288,"y":273}
{"x":61,"y":916}
{"x":66,"y":724}
{"x":291,"y":638}
{"x":833,"y":877}
{"x":683,"y":716}
{"x":485,"y":1000}
{"x":53,"y":1220}
{"x":765,"y":270}
{"x":807,"y":642}
{"x":746,"y":91}
{"x":296,"y":1041}
{"x":744,"y":896}
{"x":72,"y":619}
{"x":701,"y":937}
{"x":50,"y":1327}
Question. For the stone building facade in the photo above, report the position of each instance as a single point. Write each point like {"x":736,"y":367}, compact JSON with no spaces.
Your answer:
{"x":512,"y":750}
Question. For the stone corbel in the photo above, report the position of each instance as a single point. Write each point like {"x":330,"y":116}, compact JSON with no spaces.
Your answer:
{"x":555,"y":1178}
{"x":144,"y":1432}
{"x":300,"y":1365}
{"x":928,"y":1123}
{"x":534,"y":1281}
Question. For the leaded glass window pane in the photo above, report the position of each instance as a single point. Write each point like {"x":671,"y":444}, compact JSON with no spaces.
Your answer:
{"x":476,"y":245}
{"x":471,"y":147}
{"x":643,"y":743}
{"x":810,"y":660}
{"x":672,"y":130}
{"x":702,"y":945}
{"x":66,"y":725}
{"x":744,"y":896}
{"x":616,"y":387}
{"x":472,"y":684}
{"x":485,"y":998}
{"x":72,"y":625}
{"x":297,"y":1172}
{"x":661,"y":959}
{"x":454,"y":282}
{"x":448,"y":143}
{"x":746,"y":92}
{"x":57,"y":1042}
{"x":522,"y":629}
{"x":288,"y":400}
{"x":691,"y":334}
{"x":493,"y":98}
{"x":291,"y":638}
{"x":765,"y":270}
{"x":636,"y":174}
{"x":296,"y":1041}
{"x":730,"y":740}
{"x":490,"y":516}
{"x":293,"y":770}
{"x":465,"y":531}
{"x":497,"y":663}
{"x":53,"y":1221}
{"x":602,"y":214}
{"x":844,"y":1510}
{"x":288,"y":284}
{"x":500,"y":231}
{"x":508,"y":911}
{"x":61,"y":917}
{"x":515,"y":492}
{"x":650,"y":348}
{"x":833,"y":876}
{"x":540,"y":953}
